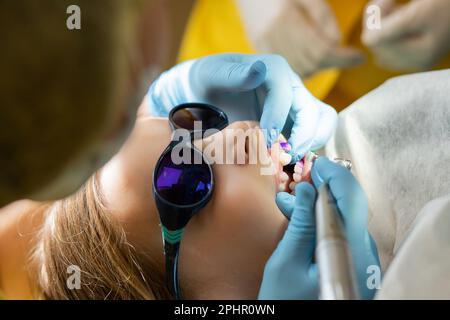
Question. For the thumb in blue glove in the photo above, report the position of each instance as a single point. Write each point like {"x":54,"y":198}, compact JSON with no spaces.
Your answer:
{"x":266,"y":78}
{"x":289,"y":272}
{"x":353,"y":206}
{"x":226,"y":73}
{"x":209,"y":80}
{"x":249,"y":82}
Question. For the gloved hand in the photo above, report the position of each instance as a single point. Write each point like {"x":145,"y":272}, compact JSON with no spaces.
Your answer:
{"x":251,"y":81}
{"x":290,"y":273}
{"x":412,"y":36}
{"x":303,"y":31}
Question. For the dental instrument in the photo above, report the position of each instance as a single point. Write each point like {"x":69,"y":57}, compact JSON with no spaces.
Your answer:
{"x":337,"y":279}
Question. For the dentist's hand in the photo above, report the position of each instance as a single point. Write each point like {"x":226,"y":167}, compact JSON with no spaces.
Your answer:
{"x":303,"y":31}
{"x":353,"y":206}
{"x":290,"y":273}
{"x":413,"y":36}
{"x":262,"y":82}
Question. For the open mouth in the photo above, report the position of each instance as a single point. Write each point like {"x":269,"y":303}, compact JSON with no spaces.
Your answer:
{"x":287,"y":174}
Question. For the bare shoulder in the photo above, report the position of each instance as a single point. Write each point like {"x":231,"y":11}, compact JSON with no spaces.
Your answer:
{"x":19,"y":223}
{"x":17,"y":218}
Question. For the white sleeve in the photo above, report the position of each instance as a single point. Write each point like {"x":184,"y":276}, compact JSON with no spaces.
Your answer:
{"x":421,"y":268}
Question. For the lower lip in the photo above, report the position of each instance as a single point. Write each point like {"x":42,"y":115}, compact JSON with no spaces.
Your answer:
{"x":278,"y":169}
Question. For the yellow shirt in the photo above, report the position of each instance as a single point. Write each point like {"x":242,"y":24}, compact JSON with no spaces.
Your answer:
{"x":215,"y":26}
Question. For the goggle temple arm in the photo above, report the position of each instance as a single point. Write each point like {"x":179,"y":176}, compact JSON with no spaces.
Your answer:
{"x":172,"y":241}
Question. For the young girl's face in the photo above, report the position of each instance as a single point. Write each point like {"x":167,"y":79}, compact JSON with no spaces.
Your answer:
{"x":226,"y":244}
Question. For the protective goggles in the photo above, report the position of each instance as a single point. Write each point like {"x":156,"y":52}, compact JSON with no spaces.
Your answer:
{"x":182,"y":189}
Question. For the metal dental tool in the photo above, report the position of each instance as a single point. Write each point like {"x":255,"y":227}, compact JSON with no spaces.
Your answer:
{"x":336,"y":271}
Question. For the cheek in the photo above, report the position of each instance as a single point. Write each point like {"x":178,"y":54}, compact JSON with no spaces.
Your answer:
{"x":245,"y":208}
{"x":234,"y":234}
{"x":251,"y":214}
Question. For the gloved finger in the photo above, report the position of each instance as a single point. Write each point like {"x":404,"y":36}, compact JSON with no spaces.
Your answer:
{"x":327,"y":125}
{"x":325,"y":53}
{"x":299,"y":238}
{"x":223,"y":74}
{"x":294,"y":45}
{"x":383,"y":7}
{"x":373,"y":249}
{"x":343,"y":57}
{"x":400,"y":23}
{"x":286,"y":203}
{"x":277,"y":96}
{"x":316,"y":54}
{"x":323,"y":18}
{"x":351,"y":199}
{"x":303,"y":132}
{"x":297,"y":57}
{"x":305,"y":114}
{"x":326,"y":171}
{"x":312,"y":281}
{"x":392,"y":55}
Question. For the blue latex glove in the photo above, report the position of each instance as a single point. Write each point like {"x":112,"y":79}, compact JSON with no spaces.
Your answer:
{"x":290,"y":273}
{"x":264,"y":82}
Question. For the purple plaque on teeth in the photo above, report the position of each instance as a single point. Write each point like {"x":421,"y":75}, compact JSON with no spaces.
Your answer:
{"x":285,"y":146}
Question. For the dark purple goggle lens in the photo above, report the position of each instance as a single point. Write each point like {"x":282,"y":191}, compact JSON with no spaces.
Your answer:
{"x":183,"y":184}
{"x":210,"y":118}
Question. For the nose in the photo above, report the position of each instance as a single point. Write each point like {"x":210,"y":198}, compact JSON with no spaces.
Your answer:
{"x":233,"y":144}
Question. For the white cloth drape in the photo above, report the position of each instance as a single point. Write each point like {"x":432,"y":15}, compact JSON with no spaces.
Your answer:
{"x":398,"y":137}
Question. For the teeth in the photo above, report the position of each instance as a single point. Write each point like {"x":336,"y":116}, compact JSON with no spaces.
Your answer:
{"x":285,"y":158}
{"x":282,"y":187}
{"x":297,"y":177}
{"x":292,"y":185}
{"x":283,"y":177}
{"x":286,"y":146}
{"x":298,"y":168}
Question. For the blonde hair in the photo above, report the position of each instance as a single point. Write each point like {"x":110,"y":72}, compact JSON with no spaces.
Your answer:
{"x":57,"y":86}
{"x":79,"y":231}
